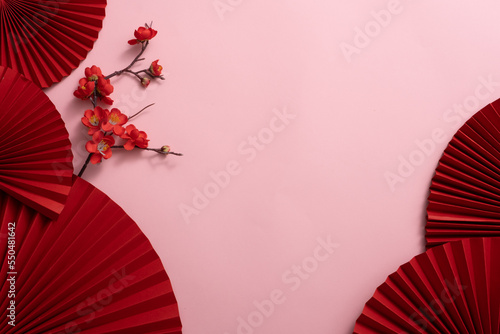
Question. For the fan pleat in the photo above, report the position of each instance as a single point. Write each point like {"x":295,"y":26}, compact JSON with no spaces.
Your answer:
{"x":46,"y":40}
{"x":452,"y":288}
{"x":35,"y":151}
{"x":464,"y":198}
{"x":91,"y":269}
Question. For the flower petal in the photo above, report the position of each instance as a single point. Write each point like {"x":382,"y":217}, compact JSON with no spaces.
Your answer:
{"x":118,"y":130}
{"x":108,"y":153}
{"x":107,"y":126}
{"x":90,"y":87}
{"x":95,"y":158}
{"x":107,"y":100}
{"x":92,"y":131}
{"x":88,"y":113}
{"x":96,"y":70}
{"x":130,"y":128}
{"x":109,"y":140}
{"x":129,"y":145}
{"x":91,"y":147}
{"x":97,"y":137}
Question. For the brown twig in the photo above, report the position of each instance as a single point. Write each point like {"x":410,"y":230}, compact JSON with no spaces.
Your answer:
{"x":157,"y":150}
{"x":136,"y":59}
{"x":137,"y":113}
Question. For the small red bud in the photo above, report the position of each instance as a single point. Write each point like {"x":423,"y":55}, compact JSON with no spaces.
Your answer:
{"x":145,"y":82}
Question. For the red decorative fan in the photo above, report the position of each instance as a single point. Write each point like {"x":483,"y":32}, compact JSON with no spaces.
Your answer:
{"x":46,"y":39}
{"x":452,"y":288}
{"x":464,"y":198}
{"x":35,"y":151}
{"x":91,"y":271}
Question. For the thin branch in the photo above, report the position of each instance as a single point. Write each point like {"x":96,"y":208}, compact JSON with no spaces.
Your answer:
{"x":136,"y":59}
{"x":94,"y":103}
{"x":137,"y":113}
{"x":94,"y":100}
{"x":134,"y":73}
{"x":85,"y":165}
{"x":157,"y":150}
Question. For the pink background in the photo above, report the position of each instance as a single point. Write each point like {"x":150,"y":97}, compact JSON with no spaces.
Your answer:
{"x":321,"y":175}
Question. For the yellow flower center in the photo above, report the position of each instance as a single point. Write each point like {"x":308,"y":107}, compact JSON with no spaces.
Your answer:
{"x":94,"y":120}
{"x":114,"y":119}
{"x":102,"y":146}
{"x":93,"y":77}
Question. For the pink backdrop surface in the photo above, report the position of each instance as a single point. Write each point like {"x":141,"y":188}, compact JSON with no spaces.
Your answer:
{"x":311,"y":131}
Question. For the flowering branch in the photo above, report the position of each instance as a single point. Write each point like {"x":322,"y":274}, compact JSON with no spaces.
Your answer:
{"x":163,"y":150}
{"x":136,"y":59}
{"x":103,"y":124}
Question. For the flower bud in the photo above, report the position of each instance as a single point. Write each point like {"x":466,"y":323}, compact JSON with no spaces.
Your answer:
{"x":145,"y":82}
{"x":155,"y":69}
{"x":165,"y":149}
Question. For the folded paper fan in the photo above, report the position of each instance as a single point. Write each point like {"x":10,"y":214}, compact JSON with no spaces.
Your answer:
{"x":452,"y":288}
{"x":464,"y":198}
{"x":35,"y":151}
{"x":46,"y":39}
{"x":91,"y":271}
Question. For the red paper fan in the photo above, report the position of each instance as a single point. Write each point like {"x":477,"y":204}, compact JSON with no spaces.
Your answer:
{"x":452,"y":288}
{"x":91,"y":271}
{"x":46,"y":39}
{"x":464,"y":198}
{"x":35,"y":152}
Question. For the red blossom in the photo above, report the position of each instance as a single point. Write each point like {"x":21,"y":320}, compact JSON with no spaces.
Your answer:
{"x":104,"y":88}
{"x":155,"y":69}
{"x":134,"y":138}
{"x":114,"y":122}
{"x":93,"y":119}
{"x":85,"y":89}
{"x":100,"y":146}
{"x":143,"y":34}
{"x":93,"y":73}
{"x":94,"y":80}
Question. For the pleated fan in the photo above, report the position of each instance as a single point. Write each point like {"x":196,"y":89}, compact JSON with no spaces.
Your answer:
{"x":35,"y":151}
{"x":450,"y":289}
{"x":46,"y":39}
{"x":90,"y":271}
{"x":464,"y":198}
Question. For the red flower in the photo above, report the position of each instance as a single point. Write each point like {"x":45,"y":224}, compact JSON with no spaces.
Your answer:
{"x":85,"y":89}
{"x":104,"y":88}
{"x":100,"y":146}
{"x":143,"y":34}
{"x":155,"y":69}
{"x":134,"y":138}
{"x":93,"y":73}
{"x":93,"y":119}
{"x":93,"y":78}
{"x":114,"y":122}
